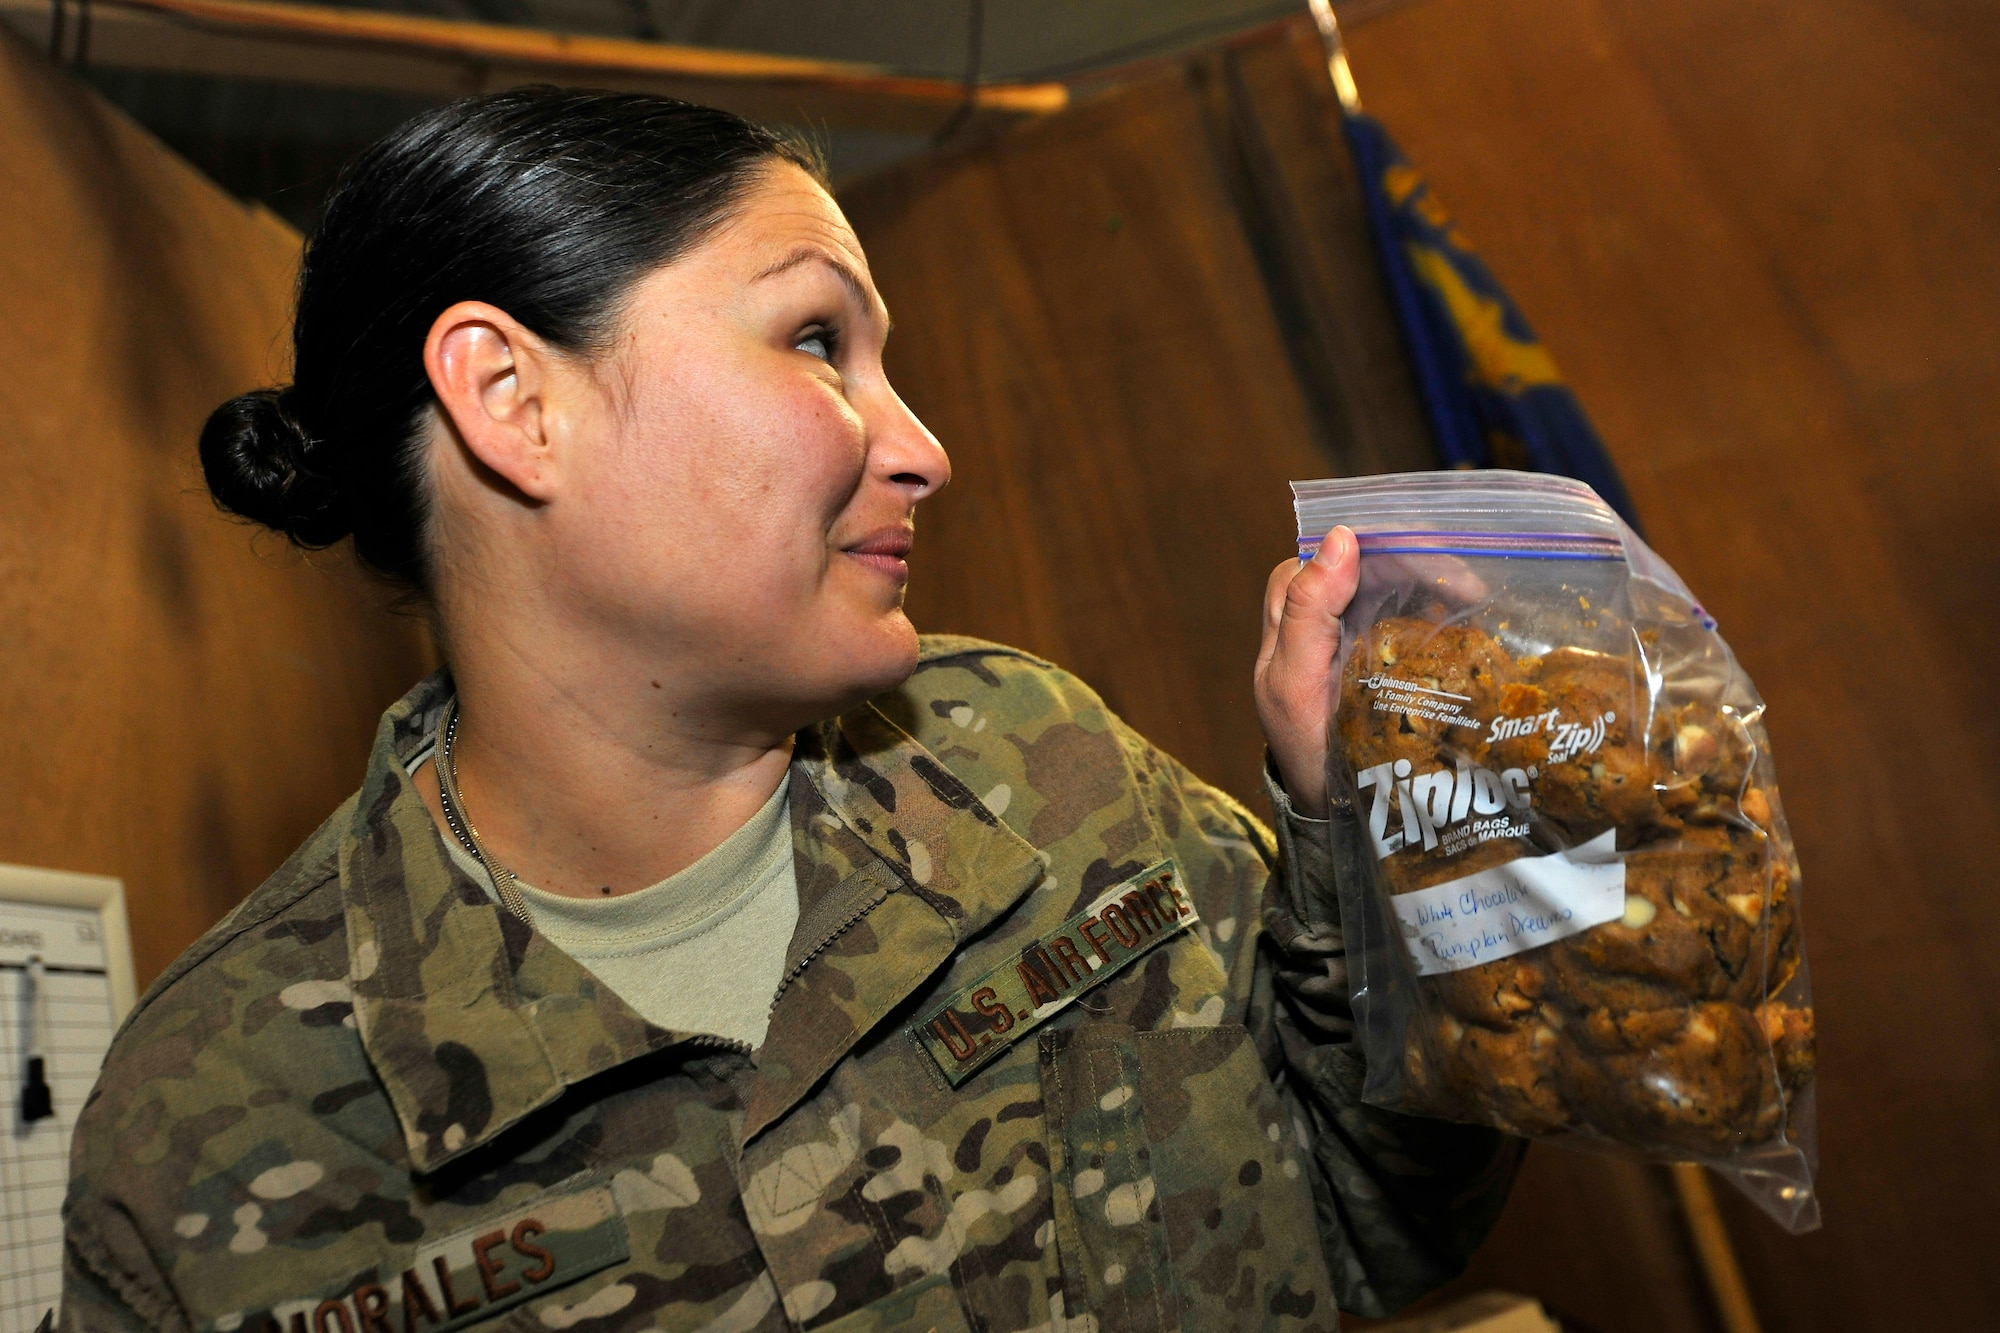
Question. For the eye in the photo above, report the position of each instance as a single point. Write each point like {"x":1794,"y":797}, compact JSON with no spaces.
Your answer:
{"x":818,"y":341}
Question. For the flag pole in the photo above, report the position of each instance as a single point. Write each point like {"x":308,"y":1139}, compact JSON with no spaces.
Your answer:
{"x":1713,"y":1248}
{"x":1489,"y":389}
{"x":1336,"y":55}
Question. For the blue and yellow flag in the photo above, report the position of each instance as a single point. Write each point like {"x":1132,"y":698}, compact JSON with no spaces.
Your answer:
{"x":1489,"y":387}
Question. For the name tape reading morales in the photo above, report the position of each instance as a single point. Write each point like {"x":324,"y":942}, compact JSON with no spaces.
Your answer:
{"x":469,"y":1276}
{"x":983,"y":1019}
{"x":1511,"y":908}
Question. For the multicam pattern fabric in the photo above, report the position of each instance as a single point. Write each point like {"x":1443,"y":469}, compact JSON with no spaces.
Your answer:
{"x":371,"y":1100}
{"x":971,"y":1029}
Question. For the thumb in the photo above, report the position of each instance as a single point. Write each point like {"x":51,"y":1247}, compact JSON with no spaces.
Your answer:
{"x":1295,"y":668}
{"x":1303,"y":621}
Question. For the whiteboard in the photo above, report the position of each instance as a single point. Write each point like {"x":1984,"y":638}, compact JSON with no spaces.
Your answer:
{"x":76,"y":925}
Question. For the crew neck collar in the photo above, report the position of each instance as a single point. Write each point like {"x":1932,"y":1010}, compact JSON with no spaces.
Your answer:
{"x":694,"y":899}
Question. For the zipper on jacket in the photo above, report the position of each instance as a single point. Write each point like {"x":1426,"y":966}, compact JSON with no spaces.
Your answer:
{"x":712,"y":1041}
{"x":799,"y":967}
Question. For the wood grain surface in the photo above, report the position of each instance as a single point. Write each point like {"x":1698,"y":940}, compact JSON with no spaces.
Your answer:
{"x":1763,"y":241}
{"x":180,"y":703}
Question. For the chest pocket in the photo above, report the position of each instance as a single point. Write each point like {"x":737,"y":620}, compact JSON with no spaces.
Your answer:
{"x":1180,"y":1201}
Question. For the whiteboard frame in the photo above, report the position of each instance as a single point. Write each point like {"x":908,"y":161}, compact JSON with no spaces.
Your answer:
{"x":102,"y":894}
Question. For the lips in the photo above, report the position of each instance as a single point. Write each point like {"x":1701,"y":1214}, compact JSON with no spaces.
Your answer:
{"x":883,"y":551}
{"x":889,"y":541}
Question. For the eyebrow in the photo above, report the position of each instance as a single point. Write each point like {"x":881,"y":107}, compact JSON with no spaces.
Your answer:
{"x":807,"y":254}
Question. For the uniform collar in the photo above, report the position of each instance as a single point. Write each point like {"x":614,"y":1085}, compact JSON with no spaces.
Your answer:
{"x":899,"y":864}
{"x":473,"y":1020}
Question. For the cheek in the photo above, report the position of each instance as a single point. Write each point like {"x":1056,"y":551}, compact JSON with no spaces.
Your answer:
{"x":725,"y":476}
{"x":803,"y":455}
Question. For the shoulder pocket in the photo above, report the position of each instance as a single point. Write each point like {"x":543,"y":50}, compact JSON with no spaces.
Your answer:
{"x":1180,"y":1201}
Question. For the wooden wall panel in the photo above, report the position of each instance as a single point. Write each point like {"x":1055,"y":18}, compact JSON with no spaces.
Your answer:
{"x":180,"y":704}
{"x":1763,"y":241}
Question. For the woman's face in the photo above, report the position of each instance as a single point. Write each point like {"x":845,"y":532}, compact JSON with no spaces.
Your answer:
{"x":740,"y":502}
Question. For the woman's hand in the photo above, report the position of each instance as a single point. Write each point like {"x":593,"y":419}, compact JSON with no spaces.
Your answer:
{"x":1294,"y":680}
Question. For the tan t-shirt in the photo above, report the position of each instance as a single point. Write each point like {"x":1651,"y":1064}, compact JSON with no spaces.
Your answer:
{"x":703,"y":950}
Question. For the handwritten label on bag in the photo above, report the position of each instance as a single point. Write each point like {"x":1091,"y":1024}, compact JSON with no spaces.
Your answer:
{"x":1522,"y":905}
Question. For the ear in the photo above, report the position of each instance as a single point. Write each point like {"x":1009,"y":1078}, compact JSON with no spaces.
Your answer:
{"x":491,"y":376}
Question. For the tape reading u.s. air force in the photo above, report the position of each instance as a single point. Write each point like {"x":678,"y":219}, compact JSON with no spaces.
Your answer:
{"x":983,"y":1019}
{"x":468,"y":1276}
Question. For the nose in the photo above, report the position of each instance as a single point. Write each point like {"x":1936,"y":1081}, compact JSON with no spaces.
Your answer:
{"x":904,"y":452}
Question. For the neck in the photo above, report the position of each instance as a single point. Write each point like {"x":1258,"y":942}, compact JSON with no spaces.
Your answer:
{"x":594,"y":774}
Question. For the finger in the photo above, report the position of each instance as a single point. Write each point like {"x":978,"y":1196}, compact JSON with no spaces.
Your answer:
{"x":1274,"y":605}
{"x":1450,"y":578}
{"x":1461,"y":584}
{"x":1446,"y":577}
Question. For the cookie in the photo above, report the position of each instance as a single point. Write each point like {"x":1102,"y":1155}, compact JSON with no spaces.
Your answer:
{"x":1598,"y":776}
{"x":1697,"y":1079}
{"x":1651,"y":1029}
{"x":1509,"y":1076}
{"x":1453,"y":664}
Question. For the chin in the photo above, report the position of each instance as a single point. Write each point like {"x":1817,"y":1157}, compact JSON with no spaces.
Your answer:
{"x":885,"y":657}
{"x":843,"y":670}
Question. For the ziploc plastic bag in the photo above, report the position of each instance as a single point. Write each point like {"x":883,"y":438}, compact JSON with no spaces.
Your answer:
{"x":1579,"y":915}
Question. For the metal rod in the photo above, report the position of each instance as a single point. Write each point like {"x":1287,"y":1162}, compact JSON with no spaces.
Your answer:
{"x":975,"y":42}
{"x":1336,"y":55}
{"x":504,"y":44}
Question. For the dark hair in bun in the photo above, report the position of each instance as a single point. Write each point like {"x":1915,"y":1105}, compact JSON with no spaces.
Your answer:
{"x":546,"y":202}
{"x":261,"y":464}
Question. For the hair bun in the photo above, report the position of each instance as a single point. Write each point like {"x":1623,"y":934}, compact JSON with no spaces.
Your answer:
{"x":262,"y":464}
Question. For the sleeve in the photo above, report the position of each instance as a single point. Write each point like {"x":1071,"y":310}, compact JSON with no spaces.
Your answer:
{"x":112,"y":1278}
{"x":1402,"y":1201}
{"x":88,"y":1305}
{"x":109,"y":1281}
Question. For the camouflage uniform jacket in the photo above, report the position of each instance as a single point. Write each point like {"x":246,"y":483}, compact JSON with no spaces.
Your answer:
{"x":1057,"y":1048}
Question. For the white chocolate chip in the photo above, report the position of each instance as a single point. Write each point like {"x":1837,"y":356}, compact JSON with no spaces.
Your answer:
{"x":1694,"y":749}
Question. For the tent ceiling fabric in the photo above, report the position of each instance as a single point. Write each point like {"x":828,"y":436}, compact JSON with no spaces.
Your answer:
{"x":440,"y":58}
{"x":271,"y":114}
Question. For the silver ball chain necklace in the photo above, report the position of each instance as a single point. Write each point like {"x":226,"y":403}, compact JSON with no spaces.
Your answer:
{"x":504,"y":882}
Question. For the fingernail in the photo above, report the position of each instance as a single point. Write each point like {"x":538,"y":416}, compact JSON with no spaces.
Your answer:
{"x":1334,"y":545}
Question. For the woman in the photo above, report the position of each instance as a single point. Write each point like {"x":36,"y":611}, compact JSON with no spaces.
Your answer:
{"x":704,"y":949}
